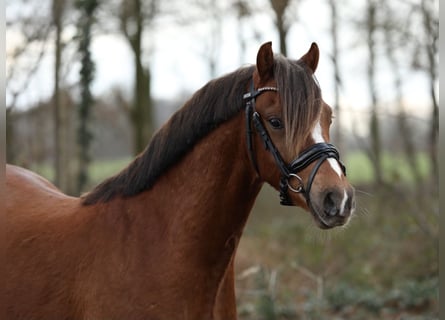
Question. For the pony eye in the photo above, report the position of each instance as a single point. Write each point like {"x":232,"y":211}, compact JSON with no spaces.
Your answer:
{"x":276,"y":123}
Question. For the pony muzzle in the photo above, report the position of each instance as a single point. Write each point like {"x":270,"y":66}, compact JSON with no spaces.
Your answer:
{"x":332,"y":206}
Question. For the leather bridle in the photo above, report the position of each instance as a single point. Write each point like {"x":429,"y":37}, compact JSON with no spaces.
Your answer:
{"x":317,"y":152}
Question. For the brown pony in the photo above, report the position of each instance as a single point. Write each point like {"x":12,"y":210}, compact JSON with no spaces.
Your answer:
{"x":158,"y":240}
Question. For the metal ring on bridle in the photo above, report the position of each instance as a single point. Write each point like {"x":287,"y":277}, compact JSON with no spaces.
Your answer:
{"x":300,"y":188}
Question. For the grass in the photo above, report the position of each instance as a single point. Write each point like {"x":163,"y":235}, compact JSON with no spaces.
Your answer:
{"x":101,"y":170}
{"x":98,"y":170}
{"x":358,"y":164}
{"x":395,"y":167}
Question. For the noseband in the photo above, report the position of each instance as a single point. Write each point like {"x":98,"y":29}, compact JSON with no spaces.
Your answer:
{"x":317,"y":152}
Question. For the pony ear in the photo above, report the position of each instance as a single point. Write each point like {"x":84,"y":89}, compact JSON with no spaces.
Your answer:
{"x":311,"y":57}
{"x":264,"y":61}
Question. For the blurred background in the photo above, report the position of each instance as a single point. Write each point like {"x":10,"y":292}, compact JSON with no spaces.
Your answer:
{"x":89,"y":81}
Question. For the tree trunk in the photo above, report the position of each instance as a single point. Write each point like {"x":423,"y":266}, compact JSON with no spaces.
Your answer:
{"x":279,"y":7}
{"x":84,"y":134}
{"x":60,"y":111}
{"x":282,"y":33}
{"x":142,"y":106}
{"x":337,"y":78}
{"x":431,"y":49}
{"x":374,"y":126}
{"x":133,"y":18}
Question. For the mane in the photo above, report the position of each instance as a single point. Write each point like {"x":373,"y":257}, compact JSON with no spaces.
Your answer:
{"x":301,"y":100}
{"x":216,"y":102}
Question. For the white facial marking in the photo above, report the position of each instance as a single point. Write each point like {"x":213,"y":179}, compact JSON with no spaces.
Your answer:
{"x":318,"y":137}
{"x":343,"y":203}
{"x":316,"y":134}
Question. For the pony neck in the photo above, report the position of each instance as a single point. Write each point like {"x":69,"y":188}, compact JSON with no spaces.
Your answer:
{"x":213,"y":187}
{"x":201,"y":204}
{"x":185,"y":229}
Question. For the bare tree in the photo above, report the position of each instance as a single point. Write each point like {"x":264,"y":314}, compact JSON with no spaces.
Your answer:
{"x":279,"y":7}
{"x":396,"y":37}
{"x":61,"y":120}
{"x":374,"y":127}
{"x":429,"y":10}
{"x":26,"y":57}
{"x":337,"y":77}
{"x":210,"y":46}
{"x":242,"y":11}
{"x":87,"y":9}
{"x":135,"y":17}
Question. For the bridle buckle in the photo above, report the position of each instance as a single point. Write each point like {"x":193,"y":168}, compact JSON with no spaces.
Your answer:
{"x":299,"y":188}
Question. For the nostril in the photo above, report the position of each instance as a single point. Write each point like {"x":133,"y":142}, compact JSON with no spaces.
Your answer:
{"x":330,"y":207}
{"x":349,"y":204}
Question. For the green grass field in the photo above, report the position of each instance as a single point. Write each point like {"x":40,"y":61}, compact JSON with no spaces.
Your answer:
{"x":395,"y":167}
{"x":359,"y":168}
